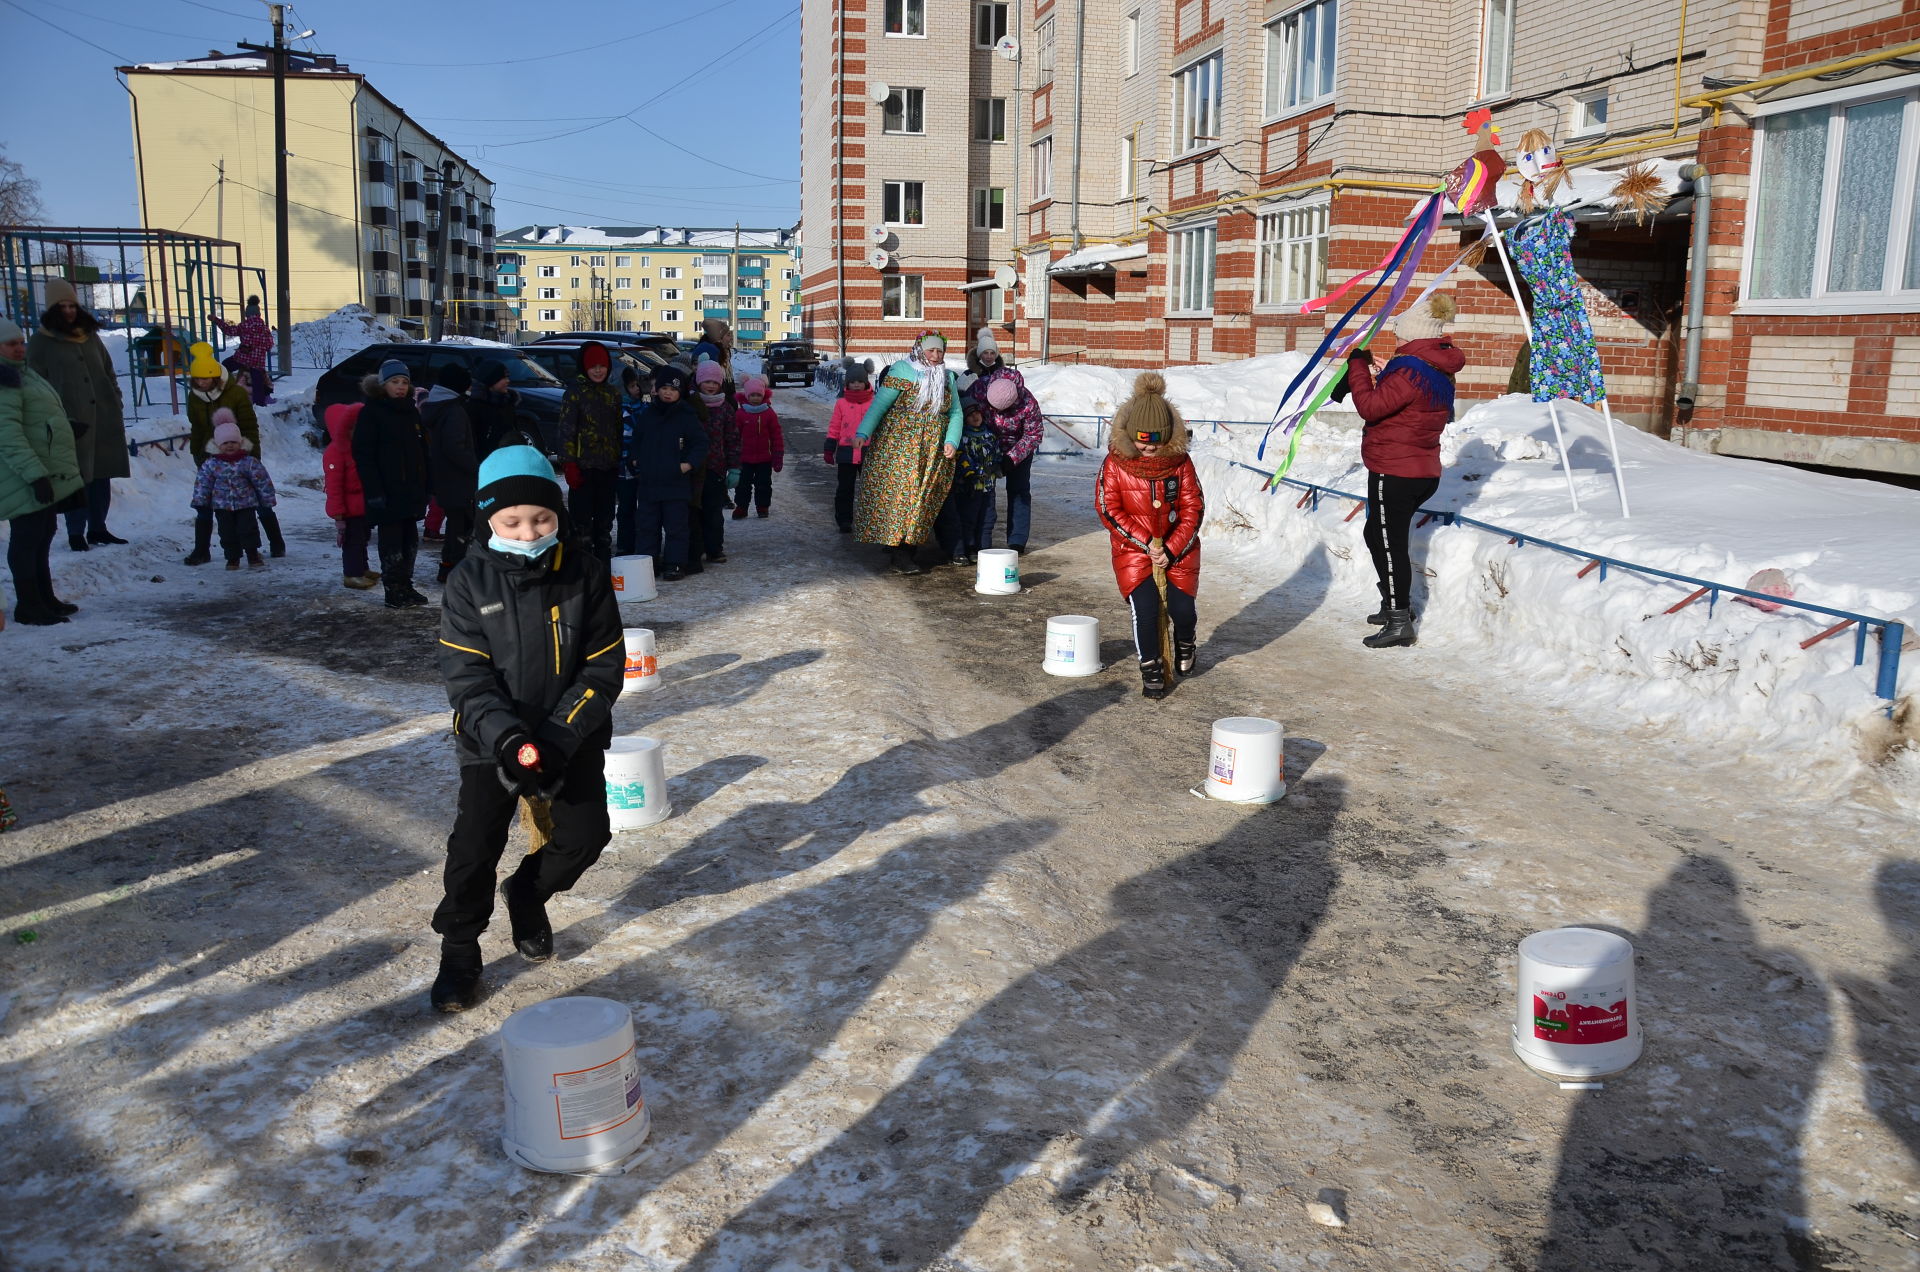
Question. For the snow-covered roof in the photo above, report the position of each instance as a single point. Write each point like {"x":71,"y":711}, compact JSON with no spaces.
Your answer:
{"x":1097,"y":259}
{"x":215,"y":60}
{"x":642,"y":236}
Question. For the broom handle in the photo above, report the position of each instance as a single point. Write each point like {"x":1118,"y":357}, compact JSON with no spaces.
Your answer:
{"x":1166,"y":619}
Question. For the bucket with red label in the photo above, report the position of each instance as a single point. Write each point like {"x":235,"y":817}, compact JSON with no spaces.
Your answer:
{"x":1574,"y":1010}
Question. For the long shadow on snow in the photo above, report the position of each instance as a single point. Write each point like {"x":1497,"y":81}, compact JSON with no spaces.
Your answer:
{"x":1114,"y":1047}
{"x":1272,"y":614}
{"x":1693,"y":1161}
{"x":1885,"y":1012}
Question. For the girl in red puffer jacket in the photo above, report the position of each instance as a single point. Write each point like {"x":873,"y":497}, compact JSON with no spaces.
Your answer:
{"x":843,"y":436}
{"x":1149,"y":497}
{"x":1405,"y":409}
{"x":346,"y":501}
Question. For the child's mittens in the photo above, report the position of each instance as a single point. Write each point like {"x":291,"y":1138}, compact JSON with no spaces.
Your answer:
{"x":733,"y":479}
{"x":779,"y":463}
{"x":832,"y":450}
{"x":573,"y":475}
{"x":524,"y":763}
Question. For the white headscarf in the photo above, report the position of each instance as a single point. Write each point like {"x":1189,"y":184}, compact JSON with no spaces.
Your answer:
{"x":931,"y":396}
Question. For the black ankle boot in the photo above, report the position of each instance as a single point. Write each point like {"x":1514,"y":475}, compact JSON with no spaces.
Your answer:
{"x":1153,"y":678}
{"x":1397,"y":630}
{"x":1186,"y":656}
{"x":457,"y":987}
{"x":532,"y":934}
{"x":902,"y":560}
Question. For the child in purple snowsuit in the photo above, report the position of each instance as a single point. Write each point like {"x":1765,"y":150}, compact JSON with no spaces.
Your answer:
{"x":236,"y":486}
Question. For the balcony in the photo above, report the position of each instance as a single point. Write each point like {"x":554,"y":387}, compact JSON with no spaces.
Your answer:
{"x":416,"y":288}
{"x":722,"y":313}
{"x":753,"y":271}
{"x":416,"y":308}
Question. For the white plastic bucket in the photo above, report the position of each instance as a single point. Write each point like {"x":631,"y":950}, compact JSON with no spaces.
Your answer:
{"x":1247,"y":764}
{"x":573,"y":1086}
{"x":637,"y":783}
{"x":643,"y":667}
{"x":1073,"y":646}
{"x":1573,"y":1013}
{"x":997,"y":571}
{"x":633,"y":578}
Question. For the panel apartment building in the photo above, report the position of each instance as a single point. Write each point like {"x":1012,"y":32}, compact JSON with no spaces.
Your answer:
{"x":370,"y":190}
{"x":555,"y":278}
{"x":1190,"y":170}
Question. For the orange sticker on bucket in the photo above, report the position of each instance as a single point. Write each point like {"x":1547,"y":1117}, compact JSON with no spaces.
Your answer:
{"x":641,"y":665}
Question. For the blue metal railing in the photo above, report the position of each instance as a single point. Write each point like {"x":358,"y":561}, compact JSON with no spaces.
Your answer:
{"x":1892,"y":633}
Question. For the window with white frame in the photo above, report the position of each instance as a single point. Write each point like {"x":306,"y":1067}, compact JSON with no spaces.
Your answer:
{"x":900,"y":296}
{"x":671,"y":271}
{"x":670,"y":315}
{"x":623,"y":284}
{"x":623,"y":303}
{"x":989,"y":208}
{"x":989,"y":24}
{"x":1196,"y":104}
{"x":1129,"y":181}
{"x":753,"y":327}
{"x":1831,"y":218}
{"x":1043,"y":50}
{"x":1293,"y":254}
{"x":749,"y":302}
{"x":1190,"y":269}
{"x":623,"y":326}
{"x":1588,"y":114}
{"x":525,"y":325}
{"x":573,"y":283}
{"x":549,"y":293}
{"x":903,"y":202}
{"x":989,"y":119}
{"x":1043,"y":168}
{"x":985,"y":305}
{"x":574,"y":261}
{"x":1300,"y":57}
{"x":1496,"y":47}
{"x":549,"y":315}
{"x":598,"y":262}
{"x":905,"y":111}
{"x":548,"y":271}
{"x":1132,"y":38}
{"x":645,"y":305}
{"x":906,"y":17}
{"x":670,"y":293}
{"x":623,"y":262}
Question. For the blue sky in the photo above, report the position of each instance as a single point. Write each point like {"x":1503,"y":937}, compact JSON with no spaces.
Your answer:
{"x":717,"y":78}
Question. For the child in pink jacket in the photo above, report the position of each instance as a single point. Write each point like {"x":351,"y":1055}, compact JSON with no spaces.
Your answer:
{"x":843,"y":436}
{"x":763,"y":446}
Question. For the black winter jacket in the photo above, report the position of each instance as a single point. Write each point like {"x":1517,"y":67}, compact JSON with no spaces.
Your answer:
{"x":590,"y":424}
{"x":392,"y":458}
{"x":665,"y":437}
{"x":496,"y":423}
{"x":450,"y":453}
{"x":532,"y":645}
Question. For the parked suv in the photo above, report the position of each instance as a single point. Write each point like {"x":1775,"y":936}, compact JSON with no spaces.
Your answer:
{"x":658,"y":342}
{"x":790,"y":359}
{"x":539,"y":391}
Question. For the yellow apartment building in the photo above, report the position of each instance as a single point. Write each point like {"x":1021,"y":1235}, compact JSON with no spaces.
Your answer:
{"x":556,"y":278}
{"x":369,"y":188}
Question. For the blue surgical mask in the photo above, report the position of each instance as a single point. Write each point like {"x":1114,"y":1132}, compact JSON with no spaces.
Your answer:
{"x":522,"y":547}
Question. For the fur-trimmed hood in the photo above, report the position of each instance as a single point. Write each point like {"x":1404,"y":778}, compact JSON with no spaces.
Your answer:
{"x":1147,"y":411}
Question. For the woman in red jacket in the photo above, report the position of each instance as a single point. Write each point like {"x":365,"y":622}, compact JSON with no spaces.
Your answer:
{"x":1406,"y":409}
{"x":1149,"y":497}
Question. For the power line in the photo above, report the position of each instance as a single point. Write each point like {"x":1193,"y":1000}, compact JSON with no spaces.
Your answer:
{"x":703,"y":158}
{"x":211,"y":9}
{"x":618,"y":187}
{"x":69,"y":34}
{"x":184,"y":35}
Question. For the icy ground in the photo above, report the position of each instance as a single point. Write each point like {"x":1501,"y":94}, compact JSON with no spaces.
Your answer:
{"x":937,"y":964}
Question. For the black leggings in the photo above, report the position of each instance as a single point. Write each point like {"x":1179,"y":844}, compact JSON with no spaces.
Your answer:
{"x":1144,"y":601}
{"x":1391,"y":503}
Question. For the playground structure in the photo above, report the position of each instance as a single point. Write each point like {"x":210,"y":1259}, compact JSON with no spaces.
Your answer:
{"x":189,"y":279}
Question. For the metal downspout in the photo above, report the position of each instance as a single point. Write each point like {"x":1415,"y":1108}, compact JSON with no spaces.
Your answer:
{"x":1079,"y":110}
{"x":1689,"y":391}
{"x":840,"y":175}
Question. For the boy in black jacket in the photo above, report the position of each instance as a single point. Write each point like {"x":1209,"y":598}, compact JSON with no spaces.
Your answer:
{"x":669,"y":442}
{"x":533,"y":655}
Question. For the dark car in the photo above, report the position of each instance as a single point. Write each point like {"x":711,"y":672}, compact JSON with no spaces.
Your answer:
{"x":562,"y":359}
{"x":539,"y":391}
{"x":657,"y":341}
{"x":790,"y":360}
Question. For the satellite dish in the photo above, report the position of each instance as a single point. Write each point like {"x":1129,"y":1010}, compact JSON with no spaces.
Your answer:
{"x":880,"y":258}
{"x":881,"y":90}
{"x":879,"y":234}
{"x":1004,"y":278}
{"x":1009,"y":48}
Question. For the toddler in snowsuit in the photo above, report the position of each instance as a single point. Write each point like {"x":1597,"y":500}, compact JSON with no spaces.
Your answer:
{"x":210,"y":388}
{"x":763,"y":447}
{"x":346,"y":500}
{"x":1149,"y":497}
{"x":235,"y":486}
{"x":707,"y":533}
{"x":533,"y":656}
{"x":843,"y":436}
{"x":669,"y":447}
{"x":633,"y":400}
{"x":966,"y":522}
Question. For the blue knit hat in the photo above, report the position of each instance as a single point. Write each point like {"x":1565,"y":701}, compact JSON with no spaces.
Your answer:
{"x":515,"y":475}
{"x":392,"y":367}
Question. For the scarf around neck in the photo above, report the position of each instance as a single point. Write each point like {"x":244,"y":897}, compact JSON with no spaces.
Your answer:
{"x":1148,"y":468}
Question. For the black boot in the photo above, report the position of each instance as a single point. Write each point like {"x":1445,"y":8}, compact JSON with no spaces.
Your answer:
{"x":1153,"y":678}
{"x":103,"y":537}
{"x":54,"y":603}
{"x":199,"y":556}
{"x":1398,"y":630}
{"x":1186,"y":656}
{"x":1379,"y":617}
{"x":901,"y":560}
{"x":33,"y":612}
{"x":397,"y":595}
{"x":78,"y":542}
{"x":457,"y":987}
{"x":532,"y":934}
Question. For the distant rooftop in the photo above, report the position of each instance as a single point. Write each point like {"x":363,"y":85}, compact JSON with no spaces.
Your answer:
{"x":215,"y":60}
{"x":640,"y":236}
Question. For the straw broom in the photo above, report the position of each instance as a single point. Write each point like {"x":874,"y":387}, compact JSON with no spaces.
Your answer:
{"x":1166,"y":619}
{"x":536,"y":818}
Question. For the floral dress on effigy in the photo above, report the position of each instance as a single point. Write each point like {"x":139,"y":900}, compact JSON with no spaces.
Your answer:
{"x":905,"y":474}
{"x":1565,"y":362}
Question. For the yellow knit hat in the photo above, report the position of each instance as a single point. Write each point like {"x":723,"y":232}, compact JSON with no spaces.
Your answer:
{"x":203,"y":365}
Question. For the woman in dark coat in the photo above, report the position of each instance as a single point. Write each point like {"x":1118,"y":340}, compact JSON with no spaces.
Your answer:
{"x":67,"y":353}
{"x":391,"y":455}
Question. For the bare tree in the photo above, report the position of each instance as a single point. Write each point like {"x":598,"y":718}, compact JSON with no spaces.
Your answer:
{"x":19,"y":194}
{"x":580,"y":315}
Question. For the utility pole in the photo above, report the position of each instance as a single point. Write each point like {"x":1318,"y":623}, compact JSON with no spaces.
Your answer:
{"x":282,"y":253}
{"x":733,"y":284}
{"x":440,"y":257}
{"x":220,"y":201}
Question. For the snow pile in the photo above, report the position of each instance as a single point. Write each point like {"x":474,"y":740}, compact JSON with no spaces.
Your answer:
{"x":346,"y":331}
{"x":1737,"y":673}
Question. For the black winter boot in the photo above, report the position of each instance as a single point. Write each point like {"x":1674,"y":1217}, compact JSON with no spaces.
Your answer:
{"x":457,"y":987}
{"x":1153,"y":678}
{"x":398,"y":595}
{"x":1397,"y":630}
{"x":532,"y":934}
{"x":1186,"y":656}
{"x":1379,"y":617}
{"x":901,"y":560}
